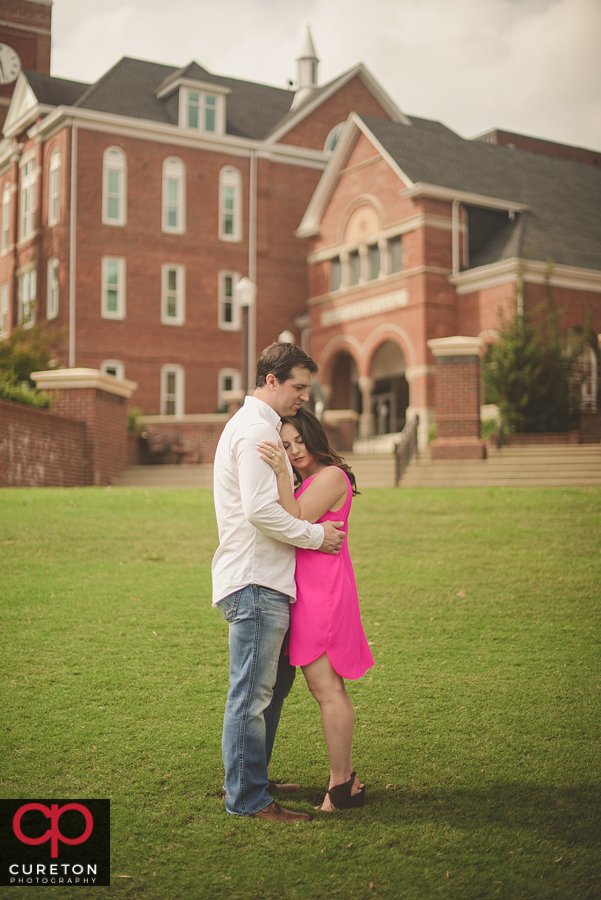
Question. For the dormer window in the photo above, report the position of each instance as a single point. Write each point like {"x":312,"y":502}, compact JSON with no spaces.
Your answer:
{"x":202,"y":111}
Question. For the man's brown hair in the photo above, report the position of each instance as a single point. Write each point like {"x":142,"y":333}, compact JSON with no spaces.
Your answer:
{"x":279,"y":359}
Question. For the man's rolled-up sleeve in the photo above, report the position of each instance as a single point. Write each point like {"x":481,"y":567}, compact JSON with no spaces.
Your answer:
{"x":259,"y":493}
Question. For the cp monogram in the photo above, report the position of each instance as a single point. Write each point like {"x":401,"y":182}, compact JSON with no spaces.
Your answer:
{"x":53,"y":834}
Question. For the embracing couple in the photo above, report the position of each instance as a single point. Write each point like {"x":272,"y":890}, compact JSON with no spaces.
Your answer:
{"x":267,"y":590}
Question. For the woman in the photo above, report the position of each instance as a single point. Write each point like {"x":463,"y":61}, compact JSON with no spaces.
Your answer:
{"x":326,"y":636}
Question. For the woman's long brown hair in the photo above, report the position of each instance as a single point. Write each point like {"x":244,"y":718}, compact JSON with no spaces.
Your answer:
{"x":316,"y":441}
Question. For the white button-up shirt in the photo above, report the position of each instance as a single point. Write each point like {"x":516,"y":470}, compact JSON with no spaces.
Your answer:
{"x":256,"y":536}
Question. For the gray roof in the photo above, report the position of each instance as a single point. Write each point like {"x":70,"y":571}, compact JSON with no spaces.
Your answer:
{"x":129,"y":89}
{"x":563,"y":220}
{"x":54,"y":91}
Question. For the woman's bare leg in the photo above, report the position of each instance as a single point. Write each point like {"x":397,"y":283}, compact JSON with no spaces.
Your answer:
{"x":337,"y":719}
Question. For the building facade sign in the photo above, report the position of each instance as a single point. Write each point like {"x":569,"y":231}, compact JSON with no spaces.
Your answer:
{"x":362,"y":309}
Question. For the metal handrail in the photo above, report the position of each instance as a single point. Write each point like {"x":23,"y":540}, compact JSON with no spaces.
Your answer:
{"x":406,"y":448}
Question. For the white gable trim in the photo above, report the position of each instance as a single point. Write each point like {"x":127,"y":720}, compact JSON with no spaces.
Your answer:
{"x":355,"y":126}
{"x":24,"y":107}
{"x":420,"y":189}
{"x":507,"y":271}
{"x":386,"y":102}
{"x":161,"y":132}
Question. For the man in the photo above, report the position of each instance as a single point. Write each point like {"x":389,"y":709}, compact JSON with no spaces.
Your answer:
{"x":253,"y":578}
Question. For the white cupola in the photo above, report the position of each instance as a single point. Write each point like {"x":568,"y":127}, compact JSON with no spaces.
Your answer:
{"x":307,"y":69}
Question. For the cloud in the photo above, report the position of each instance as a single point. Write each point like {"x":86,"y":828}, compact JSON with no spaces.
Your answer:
{"x":522,"y":65}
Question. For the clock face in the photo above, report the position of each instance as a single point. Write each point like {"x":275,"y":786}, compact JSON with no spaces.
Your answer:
{"x":10,"y":64}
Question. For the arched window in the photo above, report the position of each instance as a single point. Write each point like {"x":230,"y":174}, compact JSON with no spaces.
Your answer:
{"x":114,"y":187}
{"x":332,"y":138}
{"x":230,"y":204}
{"x":174,"y":195}
{"x":54,"y":187}
{"x":52,"y":292}
{"x":587,"y":371}
{"x":5,"y":234}
{"x":28,"y":196}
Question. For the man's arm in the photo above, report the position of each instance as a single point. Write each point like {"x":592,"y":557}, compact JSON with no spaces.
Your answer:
{"x":259,"y":494}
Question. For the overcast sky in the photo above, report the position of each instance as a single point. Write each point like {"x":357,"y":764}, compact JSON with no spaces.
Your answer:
{"x":532,"y":66}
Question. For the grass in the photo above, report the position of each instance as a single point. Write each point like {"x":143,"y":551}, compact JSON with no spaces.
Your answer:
{"x":477,"y":730}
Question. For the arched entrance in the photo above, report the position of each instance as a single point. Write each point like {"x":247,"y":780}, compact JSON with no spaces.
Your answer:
{"x":390,"y":391}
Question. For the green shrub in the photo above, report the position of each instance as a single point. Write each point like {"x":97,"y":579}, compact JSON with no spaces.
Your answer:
{"x":529,"y":372}
{"x":28,"y":350}
{"x":488,"y":427}
{"x":133,"y":415}
{"x":16,"y":393}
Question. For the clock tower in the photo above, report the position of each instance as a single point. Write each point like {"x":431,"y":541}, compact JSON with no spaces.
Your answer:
{"x":24,"y":43}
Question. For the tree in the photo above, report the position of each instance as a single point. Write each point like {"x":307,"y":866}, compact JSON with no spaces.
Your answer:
{"x":27,"y":350}
{"x":529,"y":372}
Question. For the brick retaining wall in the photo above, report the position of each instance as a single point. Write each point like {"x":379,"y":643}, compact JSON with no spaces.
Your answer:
{"x":40,"y":449}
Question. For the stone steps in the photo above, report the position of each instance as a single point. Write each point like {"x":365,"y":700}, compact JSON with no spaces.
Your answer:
{"x":371,"y":470}
{"x":182,"y":476}
{"x":567,"y":465}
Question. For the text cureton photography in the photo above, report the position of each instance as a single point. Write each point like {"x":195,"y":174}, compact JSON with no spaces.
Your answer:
{"x":55,"y":842}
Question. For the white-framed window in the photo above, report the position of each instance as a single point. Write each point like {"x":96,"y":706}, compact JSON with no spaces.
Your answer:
{"x":4,"y":310}
{"x":202,"y":110}
{"x":173,"y":294}
{"x":113,"y":287}
{"x":395,"y":255}
{"x":54,"y":187}
{"x":52,"y":288}
{"x":588,"y":371}
{"x":227,"y":380}
{"x":230,"y":204}
{"x":174,"y":196}
{"x":27,"y":297}
{"x":335,"y":274}
{"x":373,"y":262}
{"x":585,"y":372}
{"x":354,"y":268}
{"x":5,"y":228}
{"x":172,"y":390}
{"x":333,"y":136}
{"x":114,"y":187}
{"x":229,"y":312}
{"x":28,"y":190}
{"x":113,"y":367}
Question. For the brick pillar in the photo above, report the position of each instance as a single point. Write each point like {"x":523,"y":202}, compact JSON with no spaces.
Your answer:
{"x":99,"y":400}
{"x":457,"y":398}
{"x":367,"y":419}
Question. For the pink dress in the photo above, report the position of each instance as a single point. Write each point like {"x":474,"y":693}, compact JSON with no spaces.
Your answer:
{"x":326,"y":617}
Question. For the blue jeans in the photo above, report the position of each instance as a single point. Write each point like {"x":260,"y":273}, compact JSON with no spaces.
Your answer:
{"x":260,"y":679}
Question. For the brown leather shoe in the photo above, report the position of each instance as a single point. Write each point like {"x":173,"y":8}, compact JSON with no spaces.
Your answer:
{"x":276,"y":813}
{"x":275,"y":788}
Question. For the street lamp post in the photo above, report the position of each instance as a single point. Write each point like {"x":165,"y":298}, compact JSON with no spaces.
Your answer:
{"x":246,"y":292}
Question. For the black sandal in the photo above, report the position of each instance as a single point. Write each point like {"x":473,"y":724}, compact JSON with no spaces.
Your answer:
{"x":353,"y":776}
{"x":341,"y":797}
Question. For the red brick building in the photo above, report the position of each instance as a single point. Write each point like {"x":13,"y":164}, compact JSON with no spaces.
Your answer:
{"x":418,"y":234}
{"x":131,"y":208}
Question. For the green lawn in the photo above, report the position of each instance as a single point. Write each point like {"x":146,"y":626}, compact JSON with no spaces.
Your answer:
{"x":478,"y":730}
